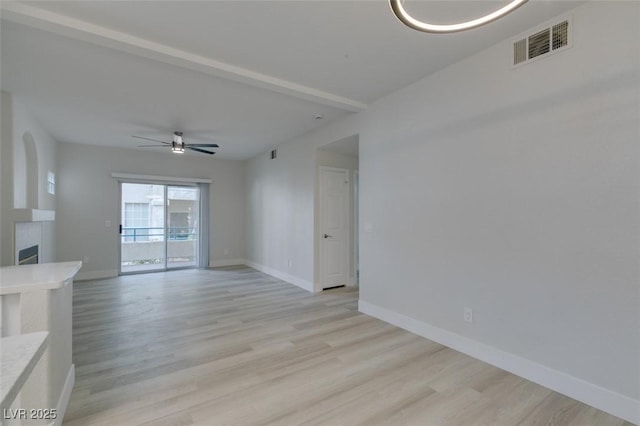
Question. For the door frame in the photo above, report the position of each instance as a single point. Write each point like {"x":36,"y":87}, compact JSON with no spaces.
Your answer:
{"x":166,"y":227}
{"x":355,"y":217}
{"x":347,"y":216}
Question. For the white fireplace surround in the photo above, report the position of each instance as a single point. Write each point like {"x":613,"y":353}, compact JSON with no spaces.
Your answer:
{"x":29,"y":229}
{"x":27,"y":234}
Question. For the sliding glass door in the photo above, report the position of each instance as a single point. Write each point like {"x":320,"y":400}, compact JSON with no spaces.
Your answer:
{"x":159,"y":227}
{"x":142,"y":228}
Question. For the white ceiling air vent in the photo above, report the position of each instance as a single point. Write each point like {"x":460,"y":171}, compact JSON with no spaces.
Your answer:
{"x":542,"y":41}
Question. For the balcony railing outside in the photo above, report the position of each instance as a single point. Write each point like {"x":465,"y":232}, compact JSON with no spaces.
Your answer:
{"x":144,"y":248}
{"x":134,"y":234}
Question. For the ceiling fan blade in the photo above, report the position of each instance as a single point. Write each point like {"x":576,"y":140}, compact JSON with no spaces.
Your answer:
{"x":210,"y":145}
{"x":152,"y":146}
{"x":199,"y":150}
{"x":149,"y":139}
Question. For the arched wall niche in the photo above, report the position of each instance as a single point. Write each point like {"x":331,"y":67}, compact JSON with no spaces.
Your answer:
{"x":32,"y":178}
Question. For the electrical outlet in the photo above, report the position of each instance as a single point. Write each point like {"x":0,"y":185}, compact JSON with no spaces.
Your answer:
{"x":85,"y":259}
{"x":226,"y":252}
{"x":468,"y":315}
{"x":290,"y":263}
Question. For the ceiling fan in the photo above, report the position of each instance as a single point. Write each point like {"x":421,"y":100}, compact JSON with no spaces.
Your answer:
{"x":178,"y":145}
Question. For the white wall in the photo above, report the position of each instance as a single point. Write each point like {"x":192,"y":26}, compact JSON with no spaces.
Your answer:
{"x":6,"y":180}
{"x":515,"y":192}
{"x":281,"y":205}
{"x":18,"y":124}
{"x":280,"y":214}
{"x":511,"y":191}
{"x":336,"y":159}
{"x":25,"y":124}
{"x":88,"y":196}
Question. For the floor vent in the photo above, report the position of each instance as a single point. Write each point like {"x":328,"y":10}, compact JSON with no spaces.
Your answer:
{"x":545,"y":40}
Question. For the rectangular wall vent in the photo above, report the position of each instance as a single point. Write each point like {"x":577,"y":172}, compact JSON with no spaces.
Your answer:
{"x":560,"y":35}
{"x":519,"y":51}
{"x":539,"y":43}
{"x":546,"y":40}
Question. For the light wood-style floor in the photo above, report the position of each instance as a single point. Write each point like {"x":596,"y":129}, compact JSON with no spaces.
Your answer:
{"x":237,"y":347}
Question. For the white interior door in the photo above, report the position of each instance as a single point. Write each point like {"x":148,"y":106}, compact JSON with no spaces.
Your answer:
{"x":334,"y":227}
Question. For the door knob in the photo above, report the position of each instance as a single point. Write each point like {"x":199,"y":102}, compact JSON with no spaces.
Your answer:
{"x":328,"y":236}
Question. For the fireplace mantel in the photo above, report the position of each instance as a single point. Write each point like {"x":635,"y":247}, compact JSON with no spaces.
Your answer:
{"x":33,"y":215}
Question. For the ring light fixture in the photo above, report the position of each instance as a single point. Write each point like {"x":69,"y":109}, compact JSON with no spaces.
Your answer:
{"x":400,"y":12}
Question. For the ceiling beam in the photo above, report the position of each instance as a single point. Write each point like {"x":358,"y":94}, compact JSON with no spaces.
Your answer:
{"x":80,"y":30}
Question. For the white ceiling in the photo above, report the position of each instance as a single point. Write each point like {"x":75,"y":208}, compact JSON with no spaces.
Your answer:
{"x":247,"y":74}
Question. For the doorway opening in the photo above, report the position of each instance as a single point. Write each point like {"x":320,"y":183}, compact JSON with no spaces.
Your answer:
{"x":337,"y":214}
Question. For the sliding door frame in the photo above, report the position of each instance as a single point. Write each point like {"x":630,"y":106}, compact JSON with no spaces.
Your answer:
{"x":165,"y":184}
{"x":166,"y":228}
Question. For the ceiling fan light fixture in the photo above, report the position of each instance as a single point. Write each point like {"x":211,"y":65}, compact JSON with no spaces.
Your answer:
{"x":177,"y":146}
{"x":400,"y":12}
{"x":177,"y":138}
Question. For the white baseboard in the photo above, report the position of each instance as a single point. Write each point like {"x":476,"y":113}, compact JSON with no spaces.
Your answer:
{"x":110,"y":273}
{"x":95,"y":275}
{"x":304,"y":284}
{"x":226,"y":262}
{"x":65,"y":396}
{"x":603,"y":399}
